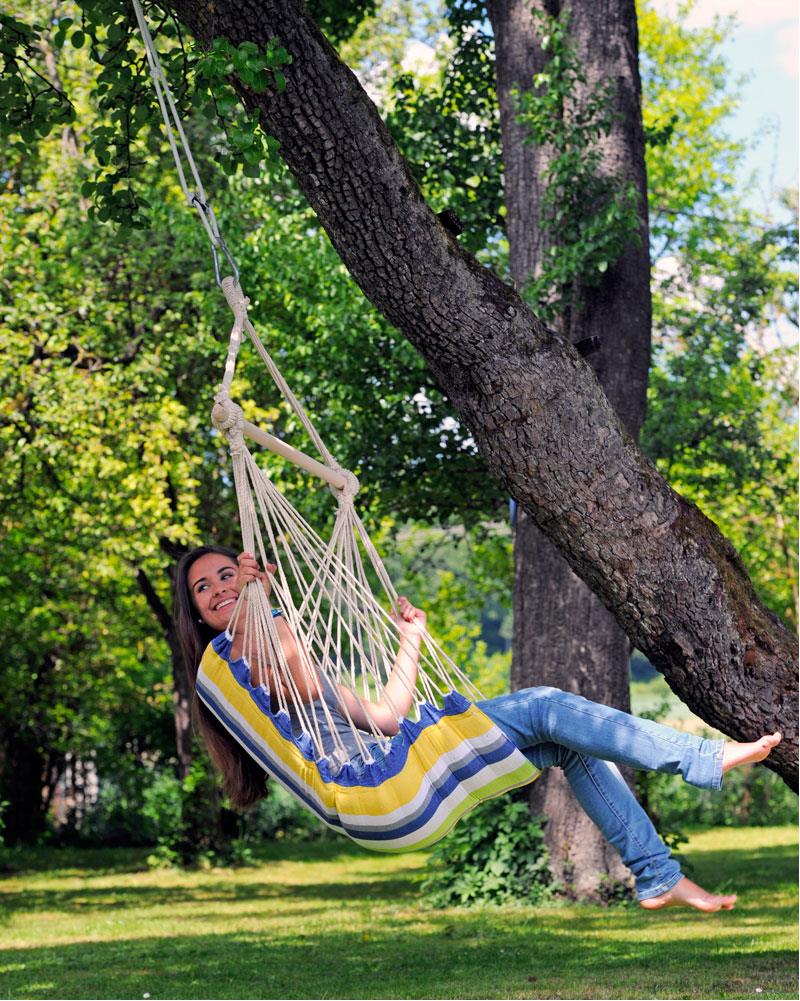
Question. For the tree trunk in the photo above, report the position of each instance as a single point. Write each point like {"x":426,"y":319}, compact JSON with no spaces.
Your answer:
{"x":22,"y":786}
{"x":563,"y":635}
{"x":534,"y":407}
{"x":181,"y":685}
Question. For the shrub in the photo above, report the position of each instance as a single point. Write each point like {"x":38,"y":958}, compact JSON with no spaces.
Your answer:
{"x":133,"y":807}
{"x":194,"y":828}
{"x":495,"y":855}
{"x":750,"y":796}
{"x":185,"y":822}
{"x":280,"y":816}
{"x":163,"y":810}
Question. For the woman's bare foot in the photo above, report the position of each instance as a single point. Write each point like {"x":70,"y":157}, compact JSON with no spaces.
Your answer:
{"x":685,"y":893}
{"x":739,"y":754}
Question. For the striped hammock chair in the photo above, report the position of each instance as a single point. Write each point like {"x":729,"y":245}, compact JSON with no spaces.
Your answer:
{"x":395,"y":793}
{"x":406,"y":791}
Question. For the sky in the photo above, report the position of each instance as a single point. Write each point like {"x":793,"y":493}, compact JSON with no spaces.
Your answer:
{"x":764,"y":48}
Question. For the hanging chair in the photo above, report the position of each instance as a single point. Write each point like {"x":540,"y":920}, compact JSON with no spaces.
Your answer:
{"x":386,"y":793}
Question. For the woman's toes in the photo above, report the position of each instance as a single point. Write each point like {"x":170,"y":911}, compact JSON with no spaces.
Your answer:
{"x":736,"y":754}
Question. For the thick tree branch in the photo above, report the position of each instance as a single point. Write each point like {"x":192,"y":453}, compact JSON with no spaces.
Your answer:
{"x":157,"y":606}
{"x":534,"y":406}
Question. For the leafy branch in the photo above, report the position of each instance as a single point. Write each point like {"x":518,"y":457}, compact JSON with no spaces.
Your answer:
{"x":30,"y":104}
{"x":129,"y":118}
{"x":588,"y":217}
{"x":246,"y":144}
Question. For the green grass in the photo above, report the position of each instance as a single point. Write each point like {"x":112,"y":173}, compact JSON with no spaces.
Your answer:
{"x":327,"y":920}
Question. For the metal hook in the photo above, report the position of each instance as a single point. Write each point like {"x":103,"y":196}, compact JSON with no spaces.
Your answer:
{"x":229,"y":257}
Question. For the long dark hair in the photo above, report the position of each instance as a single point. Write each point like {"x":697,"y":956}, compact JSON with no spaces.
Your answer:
{"x":243,"y":780}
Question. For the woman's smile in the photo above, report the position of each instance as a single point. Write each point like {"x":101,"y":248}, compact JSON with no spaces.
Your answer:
{"x":210,"y":581}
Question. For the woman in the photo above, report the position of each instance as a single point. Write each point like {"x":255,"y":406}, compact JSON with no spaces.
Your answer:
{"x":549,"y":726}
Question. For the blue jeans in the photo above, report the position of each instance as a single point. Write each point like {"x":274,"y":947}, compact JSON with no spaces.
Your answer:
{"x":552,"y":727}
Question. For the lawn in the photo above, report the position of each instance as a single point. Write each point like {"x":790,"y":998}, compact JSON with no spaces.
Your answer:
{"x":327,"y":920}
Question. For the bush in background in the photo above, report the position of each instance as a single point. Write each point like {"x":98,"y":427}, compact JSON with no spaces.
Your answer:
{"x":750,"y":796}
{"x":281,"y":817}
{"x":151,"y":807}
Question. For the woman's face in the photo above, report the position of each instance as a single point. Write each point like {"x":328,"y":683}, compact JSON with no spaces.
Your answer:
{"x":210,"y":583}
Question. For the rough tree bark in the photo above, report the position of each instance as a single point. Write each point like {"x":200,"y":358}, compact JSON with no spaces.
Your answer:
{"x":535,"y":408}
{"x":563,"y":634}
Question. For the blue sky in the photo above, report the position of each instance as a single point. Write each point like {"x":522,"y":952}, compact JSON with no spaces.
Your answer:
{"x":763,"y":48}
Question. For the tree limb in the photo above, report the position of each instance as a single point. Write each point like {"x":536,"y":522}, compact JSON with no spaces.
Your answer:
{"x":157,"y":606}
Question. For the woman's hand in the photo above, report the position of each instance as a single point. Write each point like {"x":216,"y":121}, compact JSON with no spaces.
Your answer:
{"x":410,"y":620}
{"x":249,"y":570}
{"x":398,"y":693}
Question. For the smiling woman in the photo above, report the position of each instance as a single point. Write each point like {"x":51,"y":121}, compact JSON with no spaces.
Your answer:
{"x":211,"y":582}
{"x":241,"y":697}
{"x":206,"y":577}
{"x":211,"y":601}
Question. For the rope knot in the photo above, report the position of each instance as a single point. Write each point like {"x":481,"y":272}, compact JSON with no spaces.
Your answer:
{"x":228,"y":418}
{"x":351,"y":485}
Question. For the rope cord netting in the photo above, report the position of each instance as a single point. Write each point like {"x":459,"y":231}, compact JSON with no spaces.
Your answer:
{"x":322,"y":589}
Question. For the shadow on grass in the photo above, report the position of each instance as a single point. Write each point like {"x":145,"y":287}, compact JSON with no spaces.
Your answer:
{"x":97,"y":861}
{"x":86,"y":898}
{"x":23,"y":860}
{"x":465,"y":957}
{"x":366,"y":937}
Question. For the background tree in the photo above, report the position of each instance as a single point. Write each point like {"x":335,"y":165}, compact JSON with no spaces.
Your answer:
{"x":576,"y":194}
{"x":687,"y":97}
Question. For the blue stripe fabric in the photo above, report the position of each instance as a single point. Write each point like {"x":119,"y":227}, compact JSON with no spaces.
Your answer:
{"x":431,"y":773}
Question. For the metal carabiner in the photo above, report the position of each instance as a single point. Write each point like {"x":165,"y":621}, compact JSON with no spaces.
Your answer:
{"x":228,"y":256}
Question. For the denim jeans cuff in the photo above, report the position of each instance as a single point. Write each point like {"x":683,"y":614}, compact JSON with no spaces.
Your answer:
{"x":716,"y":782}
{"x":662,"y":887}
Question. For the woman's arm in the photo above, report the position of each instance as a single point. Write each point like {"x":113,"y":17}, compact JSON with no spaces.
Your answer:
{"x":398,"y":693}
{"x":302,"y":673}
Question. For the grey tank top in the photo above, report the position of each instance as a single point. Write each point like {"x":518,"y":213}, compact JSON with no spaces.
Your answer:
{"x":339,"y":723}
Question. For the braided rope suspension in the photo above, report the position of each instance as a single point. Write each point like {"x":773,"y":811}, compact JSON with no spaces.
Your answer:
{"x":343,"y":631}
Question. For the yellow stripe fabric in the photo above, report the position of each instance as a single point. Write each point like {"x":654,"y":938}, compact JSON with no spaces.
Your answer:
{"x":446,"y":766}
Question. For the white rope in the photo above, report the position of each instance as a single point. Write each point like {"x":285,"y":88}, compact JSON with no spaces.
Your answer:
{"x":341,"y":631}
{"x":173,"y":125}
{"x":367,"y":639}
